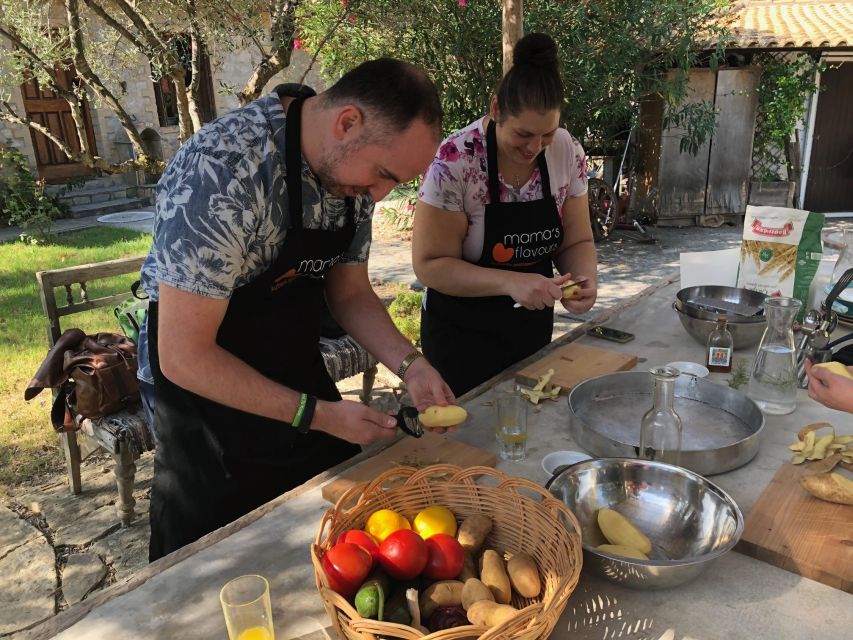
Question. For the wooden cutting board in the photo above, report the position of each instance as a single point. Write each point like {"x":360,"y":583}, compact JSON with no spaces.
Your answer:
{"x":573,"y":363}
{"x":430,"y":449}
{"x":793,"y":530}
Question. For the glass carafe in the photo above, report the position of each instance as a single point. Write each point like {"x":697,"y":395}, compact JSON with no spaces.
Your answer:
{"x":660,"y":429}
{"x":773,"y":385}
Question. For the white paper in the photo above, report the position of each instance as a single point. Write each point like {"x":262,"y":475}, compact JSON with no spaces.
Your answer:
{"x":700,"y":268}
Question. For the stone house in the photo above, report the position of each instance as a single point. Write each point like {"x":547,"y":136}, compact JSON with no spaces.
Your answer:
{"x":152,"y":107}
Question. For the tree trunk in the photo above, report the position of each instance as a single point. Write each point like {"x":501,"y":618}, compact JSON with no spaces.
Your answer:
{"x":282,"y":28}
{"x":185,"y":119}
{"x":196,"y":50}
{"x":513,"y":29}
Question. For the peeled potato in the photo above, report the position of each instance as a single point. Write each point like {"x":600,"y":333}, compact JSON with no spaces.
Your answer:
{"x":622,"y":550}
{"x":449,"y":416}
{"x":569,"y":291}
{"x":619,"y":530}
{"x":834,"y":367}
{"x":831,"y":487}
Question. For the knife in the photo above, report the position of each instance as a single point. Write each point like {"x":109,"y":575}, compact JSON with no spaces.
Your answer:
{"x":563,"y":288}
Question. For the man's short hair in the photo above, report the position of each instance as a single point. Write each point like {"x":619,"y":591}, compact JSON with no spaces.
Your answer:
{"x":394,"y":91}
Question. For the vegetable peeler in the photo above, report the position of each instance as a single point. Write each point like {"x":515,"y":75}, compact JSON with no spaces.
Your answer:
{"x":407,"y":420}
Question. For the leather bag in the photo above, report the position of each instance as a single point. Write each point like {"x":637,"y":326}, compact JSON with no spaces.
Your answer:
{"x":102,"y":368}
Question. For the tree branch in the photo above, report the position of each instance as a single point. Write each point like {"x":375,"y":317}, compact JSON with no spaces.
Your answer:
{"x":344,"y":16}
{"x":94,"y":162}
{"x":27,"y":51}
{"x":81,"y":64}
{"x":281,"y":33}
{"x":116,"y":25}
{"x":196,"y":49}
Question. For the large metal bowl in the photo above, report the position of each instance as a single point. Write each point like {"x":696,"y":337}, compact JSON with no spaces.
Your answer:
{"x":690,"y":521}
{"x":689,"y":300}
{"x":744,"y":334}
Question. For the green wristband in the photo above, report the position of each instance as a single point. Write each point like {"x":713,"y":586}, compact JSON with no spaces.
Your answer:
{"x":303,"y":400}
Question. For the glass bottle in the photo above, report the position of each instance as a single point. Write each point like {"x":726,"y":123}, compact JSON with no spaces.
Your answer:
{"x":720,"y":347}
{"x":845,"y":257}
{"x":660,"y":429}
{"x":773,"y":385}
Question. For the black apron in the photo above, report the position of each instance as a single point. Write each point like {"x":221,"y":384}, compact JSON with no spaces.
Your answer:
{"x":469,"y":340}
{"x":214,"y":463}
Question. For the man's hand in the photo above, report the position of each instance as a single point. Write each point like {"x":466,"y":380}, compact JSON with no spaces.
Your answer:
{"x":426,"y":387}
{"x":353,"y":422}
{"x":830,"y":389}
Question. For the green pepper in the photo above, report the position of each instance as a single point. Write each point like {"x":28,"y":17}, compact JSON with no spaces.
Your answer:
{"x":370,"y":598}
{"x":397,"y":609}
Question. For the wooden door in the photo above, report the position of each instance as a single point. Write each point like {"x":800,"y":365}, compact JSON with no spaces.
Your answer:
{"x":48,"y":109}
{"x":829,"y":186}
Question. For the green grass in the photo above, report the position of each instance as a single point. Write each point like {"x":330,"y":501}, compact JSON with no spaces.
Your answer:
{"x":28,"y":445}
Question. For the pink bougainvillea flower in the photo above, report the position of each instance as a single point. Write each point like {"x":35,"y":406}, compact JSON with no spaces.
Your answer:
{"x":351,"y":18}
{"x":345,"y":3}
{"x":463,"y":3}
{"x":297,"y":43}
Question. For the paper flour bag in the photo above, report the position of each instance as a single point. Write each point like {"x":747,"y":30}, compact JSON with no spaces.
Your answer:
{"x":781,"y":251}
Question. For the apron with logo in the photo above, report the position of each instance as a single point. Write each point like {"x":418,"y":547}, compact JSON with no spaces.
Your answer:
{"x":214,"y":463}
{"x":470,"y":339}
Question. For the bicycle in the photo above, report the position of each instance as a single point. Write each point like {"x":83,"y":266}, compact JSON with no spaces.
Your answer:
{"x":609,"y":212}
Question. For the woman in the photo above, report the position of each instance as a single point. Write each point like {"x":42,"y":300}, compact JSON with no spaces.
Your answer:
{"x":830,"y":389}
{"x":503,"y":202}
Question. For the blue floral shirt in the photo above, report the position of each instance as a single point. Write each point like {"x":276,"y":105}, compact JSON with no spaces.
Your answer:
{"x":222,"y":209}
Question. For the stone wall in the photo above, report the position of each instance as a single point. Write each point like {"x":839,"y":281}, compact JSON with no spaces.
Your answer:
{"x":137,"y":97}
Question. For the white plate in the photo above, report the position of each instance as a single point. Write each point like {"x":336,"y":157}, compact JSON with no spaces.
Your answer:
{"x":561,"y":458}
{"x":690,"y":368}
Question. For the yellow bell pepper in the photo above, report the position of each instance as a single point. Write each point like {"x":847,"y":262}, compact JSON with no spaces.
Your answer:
{"x":384,"y":522}
{"x":435,"y":519}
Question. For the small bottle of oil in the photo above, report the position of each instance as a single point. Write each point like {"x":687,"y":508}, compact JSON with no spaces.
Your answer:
{"x":720,"y":348}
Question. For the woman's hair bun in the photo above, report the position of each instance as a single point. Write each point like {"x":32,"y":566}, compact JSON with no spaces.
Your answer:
{"x":536,"y":49}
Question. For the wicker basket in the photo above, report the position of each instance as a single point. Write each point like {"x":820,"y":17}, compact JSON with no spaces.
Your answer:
{"x":541,"y":526}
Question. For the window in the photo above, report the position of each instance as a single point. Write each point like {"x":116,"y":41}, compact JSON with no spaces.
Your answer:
{"x":165,"y":92}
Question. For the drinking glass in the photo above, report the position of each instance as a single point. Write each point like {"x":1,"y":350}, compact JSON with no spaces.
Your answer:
{"x":511,"y":427}
{"x":246,"y":606}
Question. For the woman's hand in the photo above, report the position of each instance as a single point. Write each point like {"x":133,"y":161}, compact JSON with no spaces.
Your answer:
{"x":533,"y":290}
{"x":830,"y":389}
{"x":583,"y":297}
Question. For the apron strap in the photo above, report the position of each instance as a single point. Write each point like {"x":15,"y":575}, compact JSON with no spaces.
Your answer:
{"x":492,"y":161}
{"x":293,"y":161}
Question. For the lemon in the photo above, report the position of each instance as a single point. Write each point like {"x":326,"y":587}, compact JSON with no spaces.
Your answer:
{"x":435,"y":519}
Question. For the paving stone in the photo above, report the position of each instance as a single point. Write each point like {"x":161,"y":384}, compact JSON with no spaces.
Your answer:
{"x":28,"y":586}
{"x":88,"y":528}
{"x":82,"y":573}
{"x":14,"y":532}
{"x":126,"y":550}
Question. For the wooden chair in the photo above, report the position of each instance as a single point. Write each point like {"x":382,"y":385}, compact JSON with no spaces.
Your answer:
{"x":125,"y":435}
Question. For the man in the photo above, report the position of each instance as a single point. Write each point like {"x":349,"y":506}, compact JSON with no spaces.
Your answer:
{"x":259,"y":215}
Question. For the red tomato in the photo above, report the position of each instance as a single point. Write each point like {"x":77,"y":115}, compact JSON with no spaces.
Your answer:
{"x":363,"y":540}
{"x":403,"y":554}
{"x":346,"y":566}
{"x":445,"y":557}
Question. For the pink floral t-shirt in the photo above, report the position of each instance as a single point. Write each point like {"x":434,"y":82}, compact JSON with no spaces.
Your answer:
{"x":457,"y":179}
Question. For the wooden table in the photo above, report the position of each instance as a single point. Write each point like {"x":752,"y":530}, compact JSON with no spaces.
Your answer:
{"x":738,"y":597}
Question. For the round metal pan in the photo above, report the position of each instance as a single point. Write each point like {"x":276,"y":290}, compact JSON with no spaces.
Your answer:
{"x":721,"y":425}
{"x":729,"y":297}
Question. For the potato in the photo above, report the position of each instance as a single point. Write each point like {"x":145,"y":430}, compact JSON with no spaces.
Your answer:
{"x":619,"y":530}
{"x":524,"y":575}
{"x":473,"y":531}
{"x":434,"y":417}
{"x":440,"y":594}
{"x":474,"y":591}
{"x":831,"y":487}
{"x":570,"y":290}
{"x":469,"y":570}
{"x":490,"y":614}
{"x":622,"y":550}
{"x":836,"y":368}
{"x":493,"y":575}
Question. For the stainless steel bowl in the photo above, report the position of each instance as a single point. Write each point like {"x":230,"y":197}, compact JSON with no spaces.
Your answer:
{"x":689,"y":300}
{"x":690,"y":521}
{"x":744,"y":334}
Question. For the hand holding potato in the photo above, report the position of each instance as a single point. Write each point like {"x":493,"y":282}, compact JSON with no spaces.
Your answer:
{"x":533,"y":290}
{"x":829,"y":388}
{"x":582,"y":296}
